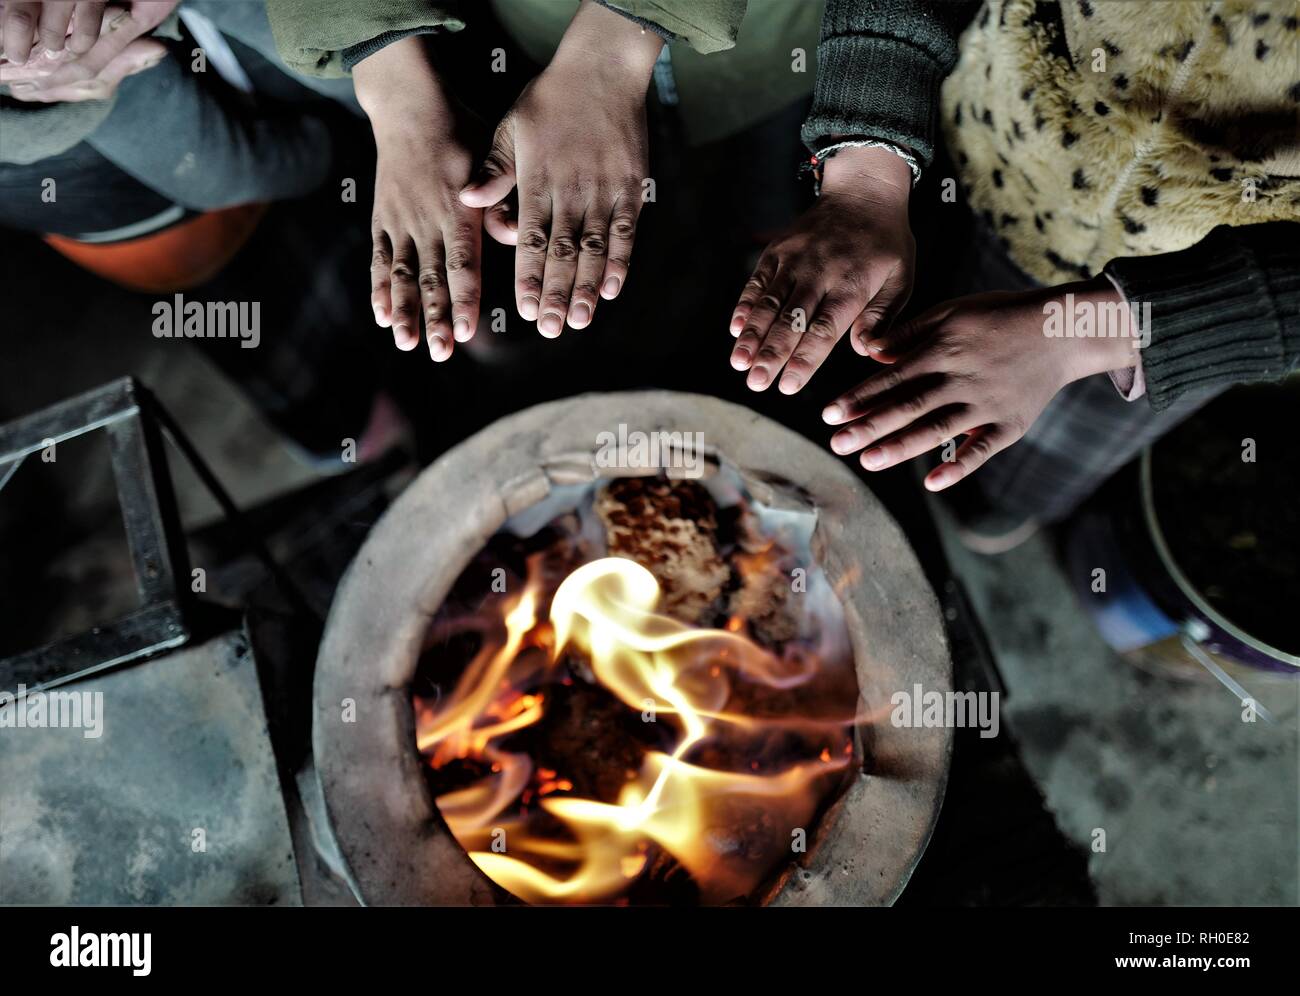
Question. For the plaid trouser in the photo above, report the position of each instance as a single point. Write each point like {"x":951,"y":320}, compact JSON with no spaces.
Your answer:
{"x":1085,"y":434}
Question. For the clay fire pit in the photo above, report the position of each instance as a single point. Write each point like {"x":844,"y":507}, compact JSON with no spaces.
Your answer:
{"x":391,"y":835}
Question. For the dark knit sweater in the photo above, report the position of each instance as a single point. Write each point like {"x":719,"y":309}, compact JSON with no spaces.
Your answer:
{"x":880,"y":64}
{"x":1224,"y":311}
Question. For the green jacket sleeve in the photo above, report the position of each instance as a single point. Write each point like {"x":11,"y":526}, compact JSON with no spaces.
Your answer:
{"x":706,"y":25}
{"x":313,"y":36}
{"x":880,"y":64}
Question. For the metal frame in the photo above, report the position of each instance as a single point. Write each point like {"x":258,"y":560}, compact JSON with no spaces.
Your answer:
{"x":126,"y":411}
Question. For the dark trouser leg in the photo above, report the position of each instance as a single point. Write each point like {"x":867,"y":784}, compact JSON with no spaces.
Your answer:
{"x":1084,"y":435}
{"x":182,"y":135}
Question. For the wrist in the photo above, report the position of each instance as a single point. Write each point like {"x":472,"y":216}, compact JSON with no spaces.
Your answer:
{"x":1115,"y":337}
{"x":602,"y":43}
{"x":868,"y":171}
{"x":398,"y":84}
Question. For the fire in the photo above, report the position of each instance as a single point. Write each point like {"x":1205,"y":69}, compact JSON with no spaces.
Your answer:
{"x":525,"y":826}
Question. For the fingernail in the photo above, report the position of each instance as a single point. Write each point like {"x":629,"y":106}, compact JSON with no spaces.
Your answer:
{"x":528,"y":308}
{"x":832,"y":414}
{"x":550,"y":325}
{"x":379,"y":315}
{"x":873,"y":459}
{"x":581,"y":314}
{"x":460,"y":329}
{"x":758,"y":379}
{"x":610,"y":288}
{"x":438,"y":347}
{"x":842,"y":442}
{"x":789,"y":384}
{"x":737,"y":323}
{"x":875,"y":347}
{"x":940,"y":479}
{"x":740,"y":360}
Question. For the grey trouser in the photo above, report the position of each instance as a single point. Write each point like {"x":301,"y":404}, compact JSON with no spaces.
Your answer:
{"x":202,"y":144}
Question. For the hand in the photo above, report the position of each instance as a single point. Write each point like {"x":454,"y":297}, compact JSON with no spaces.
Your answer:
{"x":982,"y":367}
{"x":31,"y":29}
{"x":82,"y":49}
{"x":846,"y":263}
{"x":426,"y":243}
{"x":575,"y":143}
{"x":31,"y":80}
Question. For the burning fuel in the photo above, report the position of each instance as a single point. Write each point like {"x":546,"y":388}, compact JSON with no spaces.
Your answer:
{"x":723,"y":774}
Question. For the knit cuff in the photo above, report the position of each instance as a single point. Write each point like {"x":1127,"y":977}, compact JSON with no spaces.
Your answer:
{"x":875,"y":87}
{"x":643,"y":22}
{"x":363,"y":50}
{"x":1214,"y":317}
{"x":705,"y":27}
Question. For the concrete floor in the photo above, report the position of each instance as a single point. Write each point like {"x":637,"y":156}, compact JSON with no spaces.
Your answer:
{"x":1198,"y":807}
{"x":103,"y":334}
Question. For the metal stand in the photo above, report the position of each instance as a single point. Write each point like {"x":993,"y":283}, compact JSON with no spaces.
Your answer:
{"x":127,"y":412}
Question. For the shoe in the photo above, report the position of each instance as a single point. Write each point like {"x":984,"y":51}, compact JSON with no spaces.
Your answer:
{"x":386,"y":429}
{"x":980,"y":525}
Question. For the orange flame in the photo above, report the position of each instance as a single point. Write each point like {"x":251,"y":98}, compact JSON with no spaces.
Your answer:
{"x":726,"y":828}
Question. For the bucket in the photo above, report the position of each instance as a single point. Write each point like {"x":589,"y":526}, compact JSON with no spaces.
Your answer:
{"x":1188,"y":562}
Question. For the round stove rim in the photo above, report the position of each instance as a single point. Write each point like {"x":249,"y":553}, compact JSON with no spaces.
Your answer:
{"x":368,"y":770}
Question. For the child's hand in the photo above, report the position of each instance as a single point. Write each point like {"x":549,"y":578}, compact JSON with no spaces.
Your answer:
{"x":981,"y":367}
{"x":60,"y":52}
{"x":846,"y":262}
{"x":31,"y":82}
{"x":77,"y":44}
{"x":575,"y":144}
{"x":425,"y":242}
